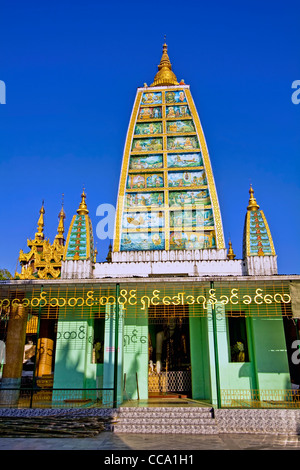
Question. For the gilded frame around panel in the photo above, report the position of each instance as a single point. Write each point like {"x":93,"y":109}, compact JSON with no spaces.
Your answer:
{"x":124,"y":170}
{"x":206,"y":163}
{"x":208,"y":171}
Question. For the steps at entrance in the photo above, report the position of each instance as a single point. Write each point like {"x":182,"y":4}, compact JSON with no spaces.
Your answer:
{"x":165,"y":420}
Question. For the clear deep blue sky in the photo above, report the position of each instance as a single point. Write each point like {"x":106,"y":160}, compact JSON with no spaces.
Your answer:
{"x":71,"y":70}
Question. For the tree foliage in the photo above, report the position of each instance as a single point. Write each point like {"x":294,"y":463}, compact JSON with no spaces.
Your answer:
{"x":4,"y":275}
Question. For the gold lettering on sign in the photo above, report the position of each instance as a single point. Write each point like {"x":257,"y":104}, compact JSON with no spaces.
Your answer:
{"x":131,"y":298}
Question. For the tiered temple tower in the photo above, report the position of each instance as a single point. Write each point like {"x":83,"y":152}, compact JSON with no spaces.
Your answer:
{"x":79,"y":253}
{"x":167,"y":196}
{"x":258,"y":249}
{"x":168,"y":219}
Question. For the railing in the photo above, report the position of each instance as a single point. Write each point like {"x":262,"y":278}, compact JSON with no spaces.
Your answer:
{"x":56,"y":397}
{"x":231,"y":398}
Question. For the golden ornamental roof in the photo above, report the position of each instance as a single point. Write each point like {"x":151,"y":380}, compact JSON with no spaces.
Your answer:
{"x":165,"y":76}
{"x":43,"y":261}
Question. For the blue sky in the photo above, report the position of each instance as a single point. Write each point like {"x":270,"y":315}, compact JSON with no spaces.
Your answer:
{"x":71,"y":70}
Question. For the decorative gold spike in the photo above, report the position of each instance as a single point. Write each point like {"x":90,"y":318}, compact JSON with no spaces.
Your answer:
{"x":109,"y":255}
{"x":82,"y":210}
{"x":40,"y":233}
{"x":252,"y":205}
{"x":230,"y":254}
{"x":61,"y":228}
{"x":95,"y":255}
{"x":165,"y":76}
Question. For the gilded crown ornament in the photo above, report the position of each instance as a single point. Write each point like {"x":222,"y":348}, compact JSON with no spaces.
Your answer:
{"x":82,"y":209}
{"x":165,"y":76}
{"x":230,"y":254}
{"x":252,"y":205}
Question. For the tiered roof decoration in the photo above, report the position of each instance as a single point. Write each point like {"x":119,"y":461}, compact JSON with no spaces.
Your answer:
{"x":80,"y":241}
{"x":257,"y":236}
{"x":43,"y":260}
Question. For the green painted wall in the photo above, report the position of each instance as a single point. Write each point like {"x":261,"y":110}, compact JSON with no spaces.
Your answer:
{"x":232,"y":375}
{"x":270,"y":351}
{"x":267,"y":367}
{"x":71,"y":369}
{"x":73,"y":358}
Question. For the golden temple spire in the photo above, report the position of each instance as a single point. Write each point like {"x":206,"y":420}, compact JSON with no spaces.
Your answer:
{"x":165,"y":76}
{"x":40,"y":224}
{"x":252,"y":205}
{"x":61,"y":227}
{"x":82,"y":206}
{"x":95,"y":255}
{"x":230,"y":254}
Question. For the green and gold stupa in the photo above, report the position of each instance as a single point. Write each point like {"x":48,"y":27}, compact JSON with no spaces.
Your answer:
{"x":167,"y":197}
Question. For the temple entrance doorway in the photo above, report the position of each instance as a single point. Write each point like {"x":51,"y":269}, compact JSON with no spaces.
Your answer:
{"x":169,"y":352}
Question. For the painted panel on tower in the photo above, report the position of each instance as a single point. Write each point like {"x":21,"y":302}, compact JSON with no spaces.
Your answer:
{"x":147,"y":145}
{"x":178,"y":160}
{"x":189,"y":198}
{"x":145,"y":162}
{"x":175,"y":97}
{"x":182,"y":143}
{"x":180,"y":126}
{"x":144,"y":200}
{"x":192,"y":240}
{"x":142,"y":241}
{"x":138,"y":220}
{"x":148,"y":128}
{"x":191,"y":218}
{"x":142,"y":181}
{"x":177,"y":111}
{"x":151,"y":98}
{"x":186,"y":178}
{"x":150,"y":113}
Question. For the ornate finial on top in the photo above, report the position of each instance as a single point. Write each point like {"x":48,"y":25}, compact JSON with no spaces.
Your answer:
{"x":61,"y":228}
{"x":40,"y":232}
{"x":82,"y":206}
{"x":252,"y":205}
{"x":165,"y":76}
{"x":230,"y":254}
{"x":95,"y":255}
{"x":109,"y":255}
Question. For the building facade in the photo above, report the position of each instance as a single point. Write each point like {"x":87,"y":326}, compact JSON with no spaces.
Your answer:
{"x":171,"y":312}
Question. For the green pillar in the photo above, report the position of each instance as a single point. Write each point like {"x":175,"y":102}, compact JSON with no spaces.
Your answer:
{"x":216,"y":354}
{"x":116,"y":346}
